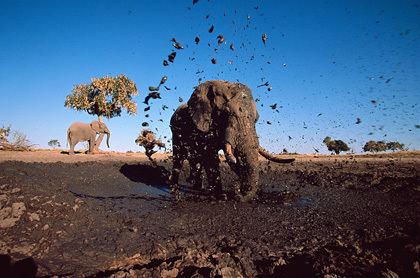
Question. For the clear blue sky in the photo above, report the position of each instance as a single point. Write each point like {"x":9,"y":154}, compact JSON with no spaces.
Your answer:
{"x":321,"y":57}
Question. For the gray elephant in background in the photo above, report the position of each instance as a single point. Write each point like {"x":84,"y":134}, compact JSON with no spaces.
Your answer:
{"x":219,"y":115}
{"x":80,"y":132}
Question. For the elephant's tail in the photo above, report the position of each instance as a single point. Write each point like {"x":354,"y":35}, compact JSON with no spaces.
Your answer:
{"x":273,"y":158}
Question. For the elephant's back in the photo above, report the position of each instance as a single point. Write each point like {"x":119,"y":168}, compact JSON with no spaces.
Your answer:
{"x":76,"y":126}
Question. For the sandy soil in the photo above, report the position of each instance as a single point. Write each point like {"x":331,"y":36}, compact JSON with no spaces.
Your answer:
{"x":111,"y":215}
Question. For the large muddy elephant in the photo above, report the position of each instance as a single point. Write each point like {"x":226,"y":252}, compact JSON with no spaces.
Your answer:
{"x":219,"y":116}
{"x":79,"y":132}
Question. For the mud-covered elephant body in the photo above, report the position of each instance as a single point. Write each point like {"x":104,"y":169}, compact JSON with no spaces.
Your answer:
{"x":80,"y":132}
{"x":219,"y":115}
{"x":198,"y":148}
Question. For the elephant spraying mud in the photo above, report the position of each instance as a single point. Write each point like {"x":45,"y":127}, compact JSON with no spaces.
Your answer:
{"x":218,"y":116}
{"x":79,"y":132}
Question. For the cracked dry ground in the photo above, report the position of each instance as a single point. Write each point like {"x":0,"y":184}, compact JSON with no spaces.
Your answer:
{"x":321,"y":218}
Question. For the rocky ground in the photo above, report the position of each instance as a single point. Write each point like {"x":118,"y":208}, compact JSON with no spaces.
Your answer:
{"x":112,"y":216}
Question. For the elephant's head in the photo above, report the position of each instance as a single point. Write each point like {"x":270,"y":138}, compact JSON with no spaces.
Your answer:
{"x":100,"y":127}
{"x":227,"y":107}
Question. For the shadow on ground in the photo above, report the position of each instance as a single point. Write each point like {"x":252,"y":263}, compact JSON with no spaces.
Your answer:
{"x":24,"y":268}
{"x":147,"y":174}
{"x":75,"y":152}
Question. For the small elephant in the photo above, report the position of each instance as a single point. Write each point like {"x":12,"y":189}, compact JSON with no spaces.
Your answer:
{"x":219,"y":116}
{"x":79,"y":132}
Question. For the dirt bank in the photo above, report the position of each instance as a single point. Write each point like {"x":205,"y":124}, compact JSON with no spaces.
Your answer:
{"x":112,"y":215}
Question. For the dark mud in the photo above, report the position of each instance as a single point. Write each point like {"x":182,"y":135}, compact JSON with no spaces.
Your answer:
{"x":312,"y":219}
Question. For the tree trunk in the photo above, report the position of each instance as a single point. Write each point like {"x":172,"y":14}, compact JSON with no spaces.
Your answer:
{"x":99,"y":141}
{"x":101,"y":136}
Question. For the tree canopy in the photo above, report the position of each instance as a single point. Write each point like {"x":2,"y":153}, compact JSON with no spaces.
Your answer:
{"x":381,"y":146}
{"x":105,"y":96}
{"x":54,"y":143}
{"x":336,"y":146}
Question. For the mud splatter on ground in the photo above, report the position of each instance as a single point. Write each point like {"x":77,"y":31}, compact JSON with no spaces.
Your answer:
{"x":351,"y":217}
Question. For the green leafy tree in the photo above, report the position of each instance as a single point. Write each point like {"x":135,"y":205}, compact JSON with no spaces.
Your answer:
{"x":336,"y":146}
{"x":105,"y":96}
{"x":54,"y":143}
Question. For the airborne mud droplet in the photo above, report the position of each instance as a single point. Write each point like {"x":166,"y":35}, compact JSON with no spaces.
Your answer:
{"x":163,"y":80}
{"x":152,"y":95}
{"x":264,"y":38}
{"x":211,"y":29}
{"x":264,"y":84}
{"x":176,"y":44}
{"x":220,"y":39}
{"x":197,"y":40}
{"x":171,"y":57}
{"x":213,"y":61}
{"x":153,"y":88}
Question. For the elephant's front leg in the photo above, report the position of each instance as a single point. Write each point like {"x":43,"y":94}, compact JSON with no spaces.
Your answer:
{"x":174,"y":178}
{"x":72,"y":144}
{"x":211,"y":165}
{"x":195,"y":174}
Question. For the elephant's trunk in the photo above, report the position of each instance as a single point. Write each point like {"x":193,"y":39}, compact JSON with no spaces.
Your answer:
{"x":107,"y":138}
{"x":273,"y":158}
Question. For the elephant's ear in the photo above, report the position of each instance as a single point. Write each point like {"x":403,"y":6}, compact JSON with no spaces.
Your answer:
{"x":200,"y":108}
{"x":254,"y":111}
{"x":95,"y":126}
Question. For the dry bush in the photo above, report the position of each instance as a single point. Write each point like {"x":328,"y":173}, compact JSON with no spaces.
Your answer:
{"x":147,"y":140}
{"x":17,"y":142}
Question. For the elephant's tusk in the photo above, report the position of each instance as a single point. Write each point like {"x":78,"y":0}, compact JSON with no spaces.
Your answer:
{"x":230,"y":158}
